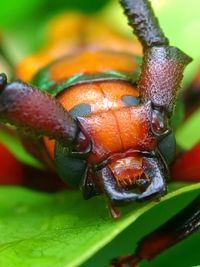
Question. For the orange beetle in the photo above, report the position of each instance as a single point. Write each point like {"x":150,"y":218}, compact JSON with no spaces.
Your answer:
{"x":110,"y":131}
{"x":105,"y":129}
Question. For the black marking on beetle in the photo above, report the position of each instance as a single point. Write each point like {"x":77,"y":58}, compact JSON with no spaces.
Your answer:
{"x":130,"y":100}
{"x":80,"y":110}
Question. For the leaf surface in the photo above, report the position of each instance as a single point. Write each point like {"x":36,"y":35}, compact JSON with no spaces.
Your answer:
{"x":38,"y":229}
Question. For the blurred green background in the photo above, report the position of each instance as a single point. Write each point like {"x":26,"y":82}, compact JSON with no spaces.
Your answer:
{"x":23,"y":24}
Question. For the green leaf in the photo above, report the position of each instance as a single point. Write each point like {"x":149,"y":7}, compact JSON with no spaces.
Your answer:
{"x":125,"y":243}
{"x":38,"y":229}
{"x":189,"y":133}
{"x":14,"y":12}
{"x":19,"y":12}
{"x":16,"y":148}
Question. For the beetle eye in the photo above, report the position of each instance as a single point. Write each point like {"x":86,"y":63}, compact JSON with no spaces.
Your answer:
{"x":130,"y":100}
{"x":159,"y":122}
{"x":81,"y":110}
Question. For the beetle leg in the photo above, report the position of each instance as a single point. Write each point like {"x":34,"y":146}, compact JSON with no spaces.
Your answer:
{"x":116,"y":195}
{"x":163,"y":65}
{"x":32,"y":110}
{"x":173,"y":231}
{"x":142,"y":19}
{"x":157,"y":186}
{"x":160,"y":79}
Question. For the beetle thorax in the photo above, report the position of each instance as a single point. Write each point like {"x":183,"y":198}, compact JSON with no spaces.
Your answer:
{"x":111,"y":115}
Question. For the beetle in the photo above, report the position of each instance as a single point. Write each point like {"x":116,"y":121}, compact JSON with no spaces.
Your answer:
{"x":106,"y":130}
{"x":88,"y":117}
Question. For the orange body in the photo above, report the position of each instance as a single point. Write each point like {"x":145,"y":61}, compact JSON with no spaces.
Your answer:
{"x":72,"y":32}
{"x":113,"y":127}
